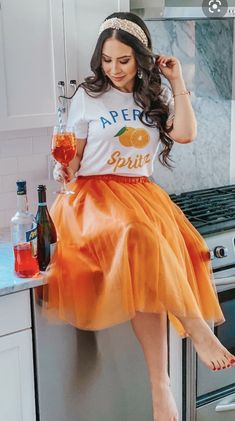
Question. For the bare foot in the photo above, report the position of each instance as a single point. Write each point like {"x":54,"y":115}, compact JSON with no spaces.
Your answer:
{"x":164,"y":406}
{"x":210,"y":350}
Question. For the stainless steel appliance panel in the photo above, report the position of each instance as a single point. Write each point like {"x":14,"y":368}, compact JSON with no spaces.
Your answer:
{"x":89,"y":376}
{"x":209,"y":395}
{"x":209,"y":381}
{"x":220,"y":410}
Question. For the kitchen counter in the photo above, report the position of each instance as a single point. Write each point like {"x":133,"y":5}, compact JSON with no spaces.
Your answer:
{"x":9,"y":282}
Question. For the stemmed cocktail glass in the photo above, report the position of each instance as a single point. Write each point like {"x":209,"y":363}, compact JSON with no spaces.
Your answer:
{"x":63,"y":149}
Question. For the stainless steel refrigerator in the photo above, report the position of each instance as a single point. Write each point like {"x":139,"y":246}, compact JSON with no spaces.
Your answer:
{"x":88,"y":376}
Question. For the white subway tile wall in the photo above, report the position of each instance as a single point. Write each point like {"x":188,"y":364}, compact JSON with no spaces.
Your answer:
{"x":24,"y":154}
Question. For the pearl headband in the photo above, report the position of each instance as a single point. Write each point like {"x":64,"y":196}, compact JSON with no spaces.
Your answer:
{"x":126,"y":25}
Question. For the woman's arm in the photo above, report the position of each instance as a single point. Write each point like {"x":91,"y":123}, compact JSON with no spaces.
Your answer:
{"x":61,"y":173}
{"x":184,"y":123}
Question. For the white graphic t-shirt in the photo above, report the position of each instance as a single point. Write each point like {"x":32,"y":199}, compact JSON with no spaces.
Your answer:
{"x":117,"y":141}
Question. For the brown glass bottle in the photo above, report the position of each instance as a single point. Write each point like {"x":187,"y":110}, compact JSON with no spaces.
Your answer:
{"x":46,"y":232}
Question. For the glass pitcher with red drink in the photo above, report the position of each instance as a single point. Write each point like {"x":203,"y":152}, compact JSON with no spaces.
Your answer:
{"x":63,"y":149}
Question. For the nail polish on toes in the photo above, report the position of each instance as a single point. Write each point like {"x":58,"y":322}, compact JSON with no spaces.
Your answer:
{"x":232,"y":361}
{"x":228,"y":366}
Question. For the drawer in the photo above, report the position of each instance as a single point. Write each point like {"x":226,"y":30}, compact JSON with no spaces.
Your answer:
{"x":15,"y":313}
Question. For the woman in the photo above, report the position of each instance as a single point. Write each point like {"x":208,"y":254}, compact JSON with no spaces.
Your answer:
{"x":126,"y":251}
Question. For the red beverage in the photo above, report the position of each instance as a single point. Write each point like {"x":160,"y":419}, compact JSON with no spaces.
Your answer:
{"x":64,"y":147}
{"x":25,"y":263}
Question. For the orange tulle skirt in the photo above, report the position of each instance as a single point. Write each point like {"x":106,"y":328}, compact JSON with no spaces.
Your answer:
{"x":124,"y":247}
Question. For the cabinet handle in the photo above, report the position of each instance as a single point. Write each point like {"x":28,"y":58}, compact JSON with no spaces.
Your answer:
{"x":73,"y":84}
{"x":61,"y":85}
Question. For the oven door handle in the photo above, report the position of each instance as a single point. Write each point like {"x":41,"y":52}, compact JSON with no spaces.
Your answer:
{"x":225,"y":407}
{"x":225,"y":281}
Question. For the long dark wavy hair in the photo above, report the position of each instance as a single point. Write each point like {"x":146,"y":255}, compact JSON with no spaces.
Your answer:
{"x":146,"y":90}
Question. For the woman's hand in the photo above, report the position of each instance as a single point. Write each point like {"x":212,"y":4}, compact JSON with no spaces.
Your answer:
{"x":61,"y":173}
{"x":170,"y":67}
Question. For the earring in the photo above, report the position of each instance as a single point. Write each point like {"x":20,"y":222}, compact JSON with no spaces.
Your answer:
{"x":139,"y":73}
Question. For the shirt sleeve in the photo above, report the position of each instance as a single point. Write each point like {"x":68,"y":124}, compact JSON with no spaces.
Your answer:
{"x":168,"y":99}
{"x":76,"y":117}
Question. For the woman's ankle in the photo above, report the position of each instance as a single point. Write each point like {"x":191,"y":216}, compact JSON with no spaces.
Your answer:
{"x":194,"y":326}
{"x":164,"y":382}
{"x":164,"y":405}
{"x":160,"y":385}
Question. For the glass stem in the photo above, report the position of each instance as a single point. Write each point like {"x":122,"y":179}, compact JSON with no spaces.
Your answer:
{"x":64,"y":187}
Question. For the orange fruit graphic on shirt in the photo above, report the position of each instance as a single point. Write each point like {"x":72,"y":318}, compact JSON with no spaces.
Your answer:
{"x":128,"y":136}
{"x":139,"y":138}
{"x":124,"y":136}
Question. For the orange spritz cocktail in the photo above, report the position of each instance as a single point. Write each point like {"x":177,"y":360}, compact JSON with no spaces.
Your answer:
{"x":63,"y":149}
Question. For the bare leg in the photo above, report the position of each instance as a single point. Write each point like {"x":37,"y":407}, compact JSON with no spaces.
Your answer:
{"x":210,"y":350}
{"x":151,"y":331}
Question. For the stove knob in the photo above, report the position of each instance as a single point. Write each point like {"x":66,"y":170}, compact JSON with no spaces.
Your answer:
{"x":221,"y":251}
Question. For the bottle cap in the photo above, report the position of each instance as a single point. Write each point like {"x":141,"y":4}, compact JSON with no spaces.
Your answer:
{"x":42,"y":187}
{"x":21,"y":187}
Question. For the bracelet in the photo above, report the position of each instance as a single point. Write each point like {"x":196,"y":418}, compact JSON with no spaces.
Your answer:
{"x":182,"y":93}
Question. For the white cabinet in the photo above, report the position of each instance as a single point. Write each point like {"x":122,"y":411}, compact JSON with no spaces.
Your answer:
{"x":31,"y":62}
{"x":41,"y":44}
{"x":17,"y":397}
{"x":82,"y":21}
{"x":16,"y":380}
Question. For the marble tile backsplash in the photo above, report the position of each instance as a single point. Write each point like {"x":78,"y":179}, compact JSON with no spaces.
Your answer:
{"x":205,"y":49}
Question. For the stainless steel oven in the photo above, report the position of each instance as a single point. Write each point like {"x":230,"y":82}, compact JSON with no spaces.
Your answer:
{"x":209,"y":395}
{"x":215,"y":391}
